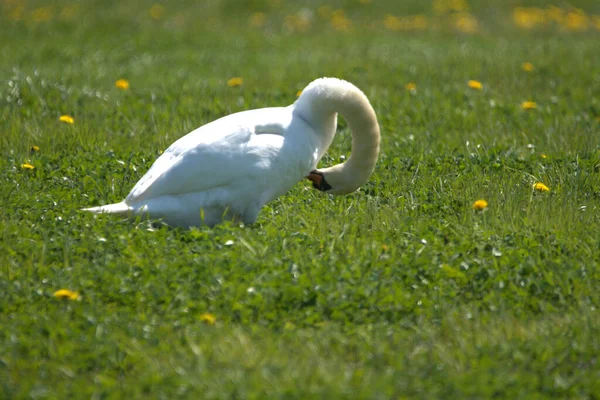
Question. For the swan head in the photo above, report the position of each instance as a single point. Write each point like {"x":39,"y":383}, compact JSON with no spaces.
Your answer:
{"x":339,"y":179}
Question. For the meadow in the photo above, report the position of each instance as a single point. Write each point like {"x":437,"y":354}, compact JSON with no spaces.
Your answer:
{"x":408,"y":288}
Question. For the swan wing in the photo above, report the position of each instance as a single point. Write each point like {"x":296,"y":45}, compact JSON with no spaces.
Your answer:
{"x":215,"y":155}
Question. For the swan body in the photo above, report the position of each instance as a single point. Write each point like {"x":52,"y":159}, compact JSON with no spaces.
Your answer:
{"x":232,"y":167}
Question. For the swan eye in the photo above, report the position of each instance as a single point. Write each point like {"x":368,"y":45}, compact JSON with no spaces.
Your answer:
{"x":318,"y":181}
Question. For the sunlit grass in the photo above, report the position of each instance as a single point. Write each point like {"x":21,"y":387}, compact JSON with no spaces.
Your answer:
{"x":467,"y":267}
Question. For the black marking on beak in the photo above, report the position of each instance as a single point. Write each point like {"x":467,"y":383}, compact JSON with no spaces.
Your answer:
{"x":318,"y":180}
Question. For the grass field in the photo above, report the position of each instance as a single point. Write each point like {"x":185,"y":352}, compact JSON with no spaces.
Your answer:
{"x":400,"y":290}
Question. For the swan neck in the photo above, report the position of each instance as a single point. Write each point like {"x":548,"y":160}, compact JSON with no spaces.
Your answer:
{"x":321,"y":100}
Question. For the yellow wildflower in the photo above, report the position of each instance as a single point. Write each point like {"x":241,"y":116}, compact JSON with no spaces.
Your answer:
{"x":289,"y":326}
{"x":157,"y":11}
{"x":67,"y":119}
{"x":475,"y":85}
{"x":122,"y":84}
{"x":576,"y":20}
{"x":69,"y":11}
{"x":529,"y":105}
{"x":466,"y":22}
{"x":339,"y":21}
{"x":324,"y":11}
{"x":235,"y":82}
{"x":66,"y":294}
{"x":543,"y":155}
{"x":529,"y":18}
{"x":42,"y":14}
{"x":596,"y":22}
{"x":34,"y":148}
{"x":208,"y":318}
{"x":385,"y":247}
{"x":27,"y":166}
{"x":258,"y":19}
{"x":540,"y":187}
{"x":527,"y":67}
{"x":298,"y":93}
{"x":480,"y":205}
{"x":410,"y":86}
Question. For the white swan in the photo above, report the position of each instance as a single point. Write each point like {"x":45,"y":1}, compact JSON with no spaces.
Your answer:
{"x":230,"y":168}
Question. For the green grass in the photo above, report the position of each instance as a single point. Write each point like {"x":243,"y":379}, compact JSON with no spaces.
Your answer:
{"x":400,"y":290}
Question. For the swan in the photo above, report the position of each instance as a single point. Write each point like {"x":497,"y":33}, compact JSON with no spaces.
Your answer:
{"x":230,"y":168}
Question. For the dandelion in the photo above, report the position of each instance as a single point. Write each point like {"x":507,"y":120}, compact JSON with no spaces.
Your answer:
{"x":480,"y":205}
{"x":66,"y":294}
{"x":208,"y":318}
{"x":466,"y":22}
{"x":540,"y":187}
{"x":543,"y":155}
{"x":411,"y":87}
{"x":122,"y":84}
{"x":339,"y":21}
{"x":576,"y":20}
{"x":476,"y":85}
{"x":67,"y":119}
{"x":298,"y":93}
{"x":529,"y":105}
{"x":529,"y":18}
{"x":235,"y":82}
{"x":157,"y":11}
{"x":289,"y":326}
{"x":27,"y":166}
{"x":258,"y":19}
{"x":69,"y":11}
{"x":385,"y":247}
{"x":527,"y":67}
{"x":42,"y":14}
{"x":34,"y":149}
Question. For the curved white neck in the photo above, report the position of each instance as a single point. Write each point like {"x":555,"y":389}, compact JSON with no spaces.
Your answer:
{"x":318,"y":105}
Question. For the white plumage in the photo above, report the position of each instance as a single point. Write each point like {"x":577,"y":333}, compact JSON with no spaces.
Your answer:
{"x":230,"y":168}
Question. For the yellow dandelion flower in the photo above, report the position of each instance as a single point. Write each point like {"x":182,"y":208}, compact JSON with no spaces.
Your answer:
{"x":27,"y":166}
{"x":208,"y":318}
{"x":410,"y":86}
{"x":543,"y":155}
{"x":34,"y":148}
{"x":67,"y":119}
{"x":42,"y":14}
{"x":289,"y":326}
{"x":596,"y":22}
{"x":540,"y":187}
{"x":235,"y":82}
{"x":476,"y":85}
{"x":576,"y":20}
{"x":66,"y":294}
{"x":529,"y":105}
{"x":466,"y":22}
{"x":527,"y":67}
{"x":157,"y":11}
{"x":298,"y":93}
{"x":480,"y":205}
{"x":324,"y":11}
{"x":122,"y":84}
{"x":258,"y":19}
{"x":385,"y":247}
{"x":339,"y":21}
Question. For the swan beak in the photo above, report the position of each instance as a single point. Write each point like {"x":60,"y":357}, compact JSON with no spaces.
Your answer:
{"x":318,"y":181}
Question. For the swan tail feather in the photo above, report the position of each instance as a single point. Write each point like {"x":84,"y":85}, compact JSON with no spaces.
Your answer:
{"x":116,"y":208}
